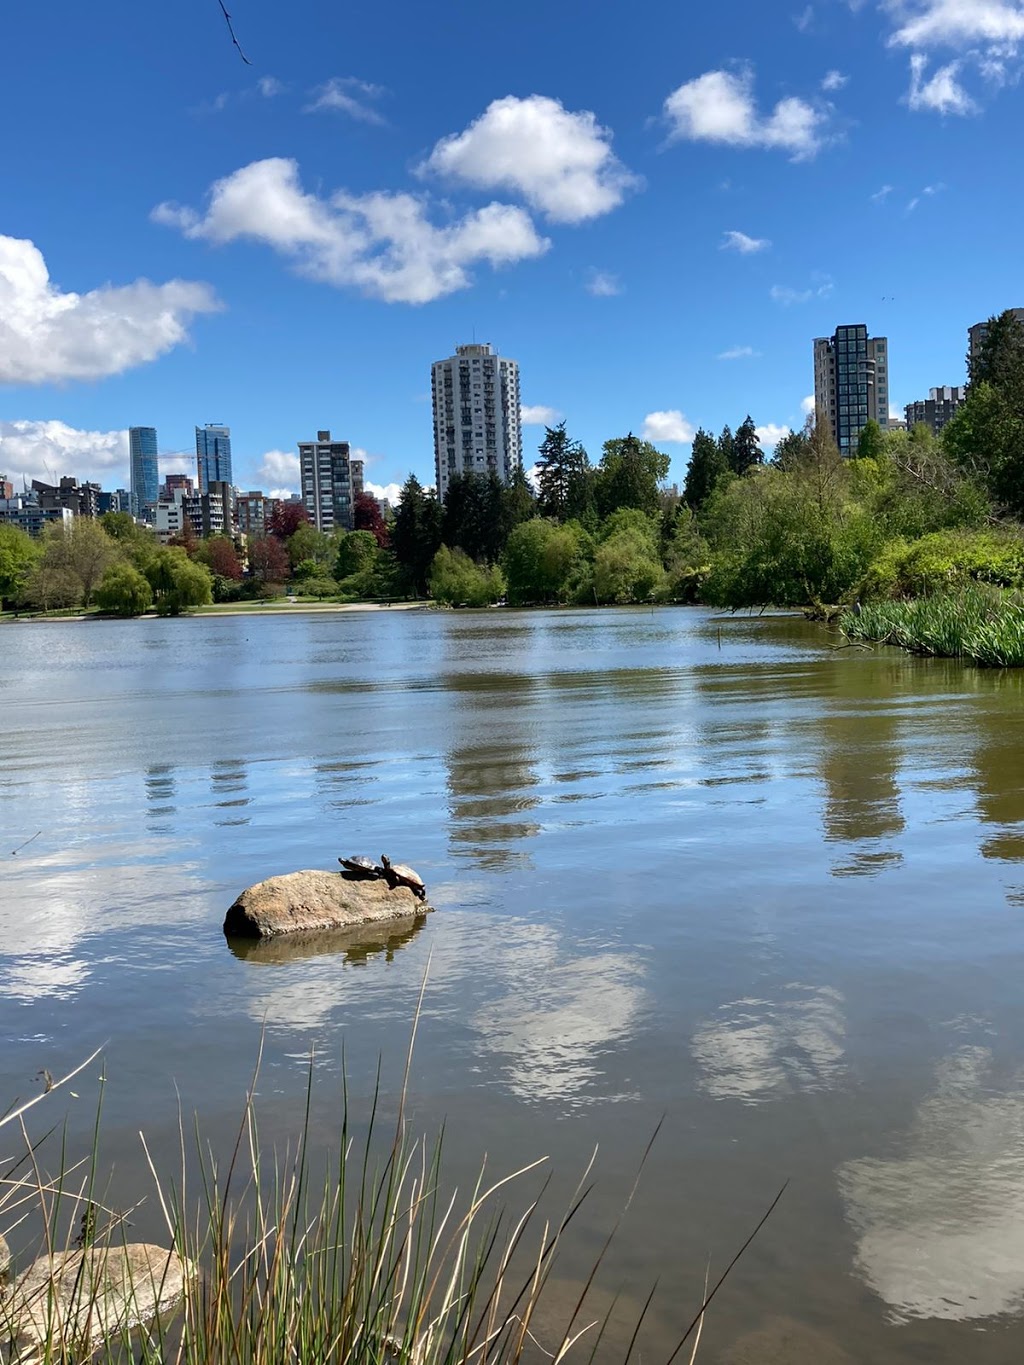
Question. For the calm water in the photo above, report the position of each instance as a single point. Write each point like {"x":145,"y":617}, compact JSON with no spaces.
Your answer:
{"x":712,"y":869}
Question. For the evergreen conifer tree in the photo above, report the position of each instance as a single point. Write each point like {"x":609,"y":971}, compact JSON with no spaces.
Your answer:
{"x":746,"y":448}
{"x":707,"y":465}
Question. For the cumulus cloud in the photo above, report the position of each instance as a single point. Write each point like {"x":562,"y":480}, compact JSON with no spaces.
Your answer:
{"x":833,"y":80}
{"x":269,"y":87}
{"x":603,"y":284}
{"x":670,"y":426}
{"x":538,"y":415}
{"x":807,"y":405}
{"x":784,"y":294}
{"x":739,"y":353}
{"x":746,"y":246}
{"x":771,"y":434}
{"x":46,"y":450}
{"x":939,"y":93}
{"x":347,"y":95}
{"x":48,"y":335}
{"x":380,"y":243}
{"x":720,"y":107}
{"x":281,"y":469}
{"x":561,"y":162}
{"x":984,"y":33}
{"x":957,"y":24}
{"x":384,"y":492}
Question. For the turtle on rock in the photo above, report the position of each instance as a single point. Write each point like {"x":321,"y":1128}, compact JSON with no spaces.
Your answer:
{"x":362,"y":867}
{"x":400,"y":874}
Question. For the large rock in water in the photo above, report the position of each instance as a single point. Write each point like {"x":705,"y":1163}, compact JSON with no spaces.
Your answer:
{"x":70,"y":1303}
{"x":318,"y":900}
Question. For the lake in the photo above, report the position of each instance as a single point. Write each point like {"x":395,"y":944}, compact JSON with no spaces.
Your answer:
{"x":714,"y":869}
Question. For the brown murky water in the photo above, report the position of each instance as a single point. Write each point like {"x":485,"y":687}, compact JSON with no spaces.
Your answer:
{"x":708,"y":868}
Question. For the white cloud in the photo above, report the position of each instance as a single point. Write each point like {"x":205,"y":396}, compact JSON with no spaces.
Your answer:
{"x":719,"y":107}
{"x":280,"y":468}
{"x":739,"y":353}
{"x":782,"y":293}
{"x":178,"y":462}
{"x":807,"y":405}
{"x":384,"y":492}
{"x":881,"y":195}
{"x":804,"y":19}
{"x":380,"y":243}
{"x":46,"y":450}
{"x":538,"y":415}
{"x":959,"y":24}
{"x":561,"y":162}
{"x":833,"y":80}
{"x":771,"y":434}
{"x":49,"y":336}
{"x":670,"y":426}
{"x":347,"y":95}
{"x":746,"y":246}
{"x":941,"y":93}
{"x":270,"y":86}
{"x":603,"y":284}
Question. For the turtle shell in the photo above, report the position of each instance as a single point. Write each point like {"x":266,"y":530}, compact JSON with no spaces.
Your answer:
{"x":404,"y":873}
{"x":359,"y":864}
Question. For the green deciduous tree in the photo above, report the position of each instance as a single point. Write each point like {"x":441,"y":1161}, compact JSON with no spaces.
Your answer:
{"x":356,"y":554}
{"x":123,"y":591}
{"x":320,"y":587}
{"x":456,"y":581}
{"x":986,"y":440}
{"x":306,"y":542}
{"x":791,"y":450}
{"x":18,"y":556}
{"x":626,"y":566}
{"x":629,"y":475}
{"x":707,"y":466}
{"x":79,"y":547}
{"x":540,"y":559}
{"x":178,"y":582}
{"x":871,"y":441}
{"x":999,"y":360}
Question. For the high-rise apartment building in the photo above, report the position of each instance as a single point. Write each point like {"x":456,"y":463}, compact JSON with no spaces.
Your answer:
{"x":330,"y":480}
{"x":213,"y":456}
{"x":851,"y":382}
{"x":144,"y":478}
{"x":476,"y":415}
{"x":252,"y":511}
{"x":935,"y":410}
{"x":976,"y":335}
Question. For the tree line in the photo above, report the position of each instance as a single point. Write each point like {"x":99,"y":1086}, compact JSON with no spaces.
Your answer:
{"x":908,"y":512}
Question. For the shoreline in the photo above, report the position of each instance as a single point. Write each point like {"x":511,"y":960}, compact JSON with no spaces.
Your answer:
{"x":227,"y":609}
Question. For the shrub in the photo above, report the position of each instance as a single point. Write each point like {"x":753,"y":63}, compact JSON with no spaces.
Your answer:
{"x":456,"y":581}
{"x":946,"y":560}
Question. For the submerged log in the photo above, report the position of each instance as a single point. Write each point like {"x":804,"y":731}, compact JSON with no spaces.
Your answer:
{"x":316,"y":900}
{"x":67,"y":1305}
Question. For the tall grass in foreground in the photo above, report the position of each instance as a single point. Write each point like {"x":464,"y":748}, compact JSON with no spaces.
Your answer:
{"x":362,"y":1263}
{"x":976,"y":623}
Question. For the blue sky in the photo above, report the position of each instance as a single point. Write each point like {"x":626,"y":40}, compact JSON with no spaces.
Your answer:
{"x":653,"y":208}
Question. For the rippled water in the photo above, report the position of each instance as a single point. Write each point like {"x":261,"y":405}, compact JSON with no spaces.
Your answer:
{"x":714,"y":869}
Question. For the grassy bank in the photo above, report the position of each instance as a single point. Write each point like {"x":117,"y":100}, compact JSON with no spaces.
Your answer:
{"x":979,"y":624}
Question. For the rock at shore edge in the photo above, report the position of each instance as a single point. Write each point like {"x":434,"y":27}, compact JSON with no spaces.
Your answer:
{"x":318,"y":900}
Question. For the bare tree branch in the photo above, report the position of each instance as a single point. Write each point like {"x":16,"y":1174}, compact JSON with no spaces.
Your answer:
{"x":231,"y":30}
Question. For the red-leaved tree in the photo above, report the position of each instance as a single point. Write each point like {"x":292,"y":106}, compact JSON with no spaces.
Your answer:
{"x":268,"y":560}
{"x":367,"y":517}
{"x":220,"y":557}
{"x":285,"y":520}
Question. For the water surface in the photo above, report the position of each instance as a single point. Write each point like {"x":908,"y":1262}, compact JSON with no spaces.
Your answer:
{"x":712,"y":869}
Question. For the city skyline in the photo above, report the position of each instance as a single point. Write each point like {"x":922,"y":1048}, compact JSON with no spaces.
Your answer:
{"x":292,"y":241}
